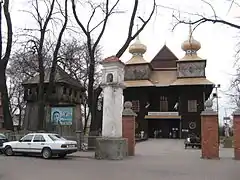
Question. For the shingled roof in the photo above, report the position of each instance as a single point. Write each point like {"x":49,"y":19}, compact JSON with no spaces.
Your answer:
{"x":60,"y":77}
{"x":164,"y":59}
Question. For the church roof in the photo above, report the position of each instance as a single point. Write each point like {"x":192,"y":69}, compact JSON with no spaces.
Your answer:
{"x":136,"y":60}
{"x":138,"y":83}
{"x":192,"y":81}
{"x":60,"y":77}
{"x":164,"y":59}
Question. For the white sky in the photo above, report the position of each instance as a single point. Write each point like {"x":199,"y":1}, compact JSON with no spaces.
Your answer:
{"x":218,"y":41}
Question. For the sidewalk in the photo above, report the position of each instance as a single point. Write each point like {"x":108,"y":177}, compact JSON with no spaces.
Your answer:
{"x":82,"y":154}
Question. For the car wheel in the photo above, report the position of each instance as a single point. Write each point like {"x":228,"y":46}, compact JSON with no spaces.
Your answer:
{"x":62,"y":155}
{"x":8,"y":151}
{"x":46,"y":153}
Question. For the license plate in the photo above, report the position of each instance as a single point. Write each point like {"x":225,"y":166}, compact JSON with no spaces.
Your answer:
{"x":71,"y":145}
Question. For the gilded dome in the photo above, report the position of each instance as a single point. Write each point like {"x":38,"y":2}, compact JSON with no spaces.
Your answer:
{"x":137,"y":47}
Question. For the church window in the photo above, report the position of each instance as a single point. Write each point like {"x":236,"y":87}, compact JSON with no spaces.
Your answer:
{"x":163,"y":104}
{"x":136,"y":105}
{"x":192,"y":105}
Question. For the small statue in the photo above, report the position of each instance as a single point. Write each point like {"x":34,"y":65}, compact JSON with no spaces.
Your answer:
{"x":226,"y":130}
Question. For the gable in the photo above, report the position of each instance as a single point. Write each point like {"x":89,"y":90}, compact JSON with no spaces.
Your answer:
{"x":164,"y":59}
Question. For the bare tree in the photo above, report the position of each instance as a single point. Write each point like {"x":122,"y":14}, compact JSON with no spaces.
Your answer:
{"x":74,"y":59}
{"x":200,"y":19}
{"x":92,"y":43}
{"x":37,"y":43}
{"x":8,"y":124}
{"x":23,"y":65}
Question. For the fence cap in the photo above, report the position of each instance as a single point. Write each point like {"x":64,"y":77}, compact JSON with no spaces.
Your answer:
{"x":208,"y":108}
{"x":128,"y":109}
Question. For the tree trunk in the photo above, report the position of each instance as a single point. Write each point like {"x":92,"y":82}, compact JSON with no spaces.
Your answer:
{"x":20,"y":113}
{"x":94,"y":123}
{"x":41,"y":110}
{"x":8,"y":123}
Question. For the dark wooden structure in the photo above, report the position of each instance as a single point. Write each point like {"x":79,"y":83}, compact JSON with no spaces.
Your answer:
{"x":167,"y":93}
{"x":1,"y":113}
{"x":67,"y":92}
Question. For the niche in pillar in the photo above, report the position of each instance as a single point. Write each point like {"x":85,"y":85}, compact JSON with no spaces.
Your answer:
{"x":109,"y":78}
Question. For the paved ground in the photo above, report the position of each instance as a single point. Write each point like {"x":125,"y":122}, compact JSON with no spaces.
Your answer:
{"x":154,"y":160}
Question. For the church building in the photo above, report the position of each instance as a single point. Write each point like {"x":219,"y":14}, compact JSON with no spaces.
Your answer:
{"x":167,"y":93}
{"x":1,"y":112}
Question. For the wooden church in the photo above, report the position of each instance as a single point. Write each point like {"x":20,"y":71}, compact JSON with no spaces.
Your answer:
{"x":167,"y":93}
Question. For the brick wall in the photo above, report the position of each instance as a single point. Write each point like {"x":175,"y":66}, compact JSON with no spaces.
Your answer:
{"x":129,"y":133}
{"x":209,"y":128}
{"x":236,"y":134}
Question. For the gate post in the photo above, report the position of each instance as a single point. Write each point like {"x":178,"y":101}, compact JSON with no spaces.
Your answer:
{"x":236,"y":132}
{"x":209,"y":132}
{"x":128,"y":127}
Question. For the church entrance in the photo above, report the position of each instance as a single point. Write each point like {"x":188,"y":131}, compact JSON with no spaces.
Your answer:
{"x":164,"y":128}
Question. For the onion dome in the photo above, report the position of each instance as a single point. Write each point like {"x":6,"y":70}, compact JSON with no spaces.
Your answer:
{"x":191,"y":46}
{"x":137,"y":49}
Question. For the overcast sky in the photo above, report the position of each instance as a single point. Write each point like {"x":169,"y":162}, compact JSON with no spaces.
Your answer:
{"x":218,"y":41}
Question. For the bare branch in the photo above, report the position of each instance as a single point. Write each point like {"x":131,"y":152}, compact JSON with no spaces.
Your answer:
{"x":214,"y":13}
{"x":9,"y":32}
{"x":130,"y":36}
{"x":77,"y":19}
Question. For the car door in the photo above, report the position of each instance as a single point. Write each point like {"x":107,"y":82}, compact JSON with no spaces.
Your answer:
{"x":38,"y":143}
{"x":24,"y":144}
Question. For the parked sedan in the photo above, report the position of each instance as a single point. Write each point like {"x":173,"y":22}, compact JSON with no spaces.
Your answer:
{"x":3,"y":139}
{"x":44,"y":144}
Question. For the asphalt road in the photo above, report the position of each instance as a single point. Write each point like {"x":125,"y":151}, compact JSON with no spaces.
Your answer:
{"x":154,"y":160}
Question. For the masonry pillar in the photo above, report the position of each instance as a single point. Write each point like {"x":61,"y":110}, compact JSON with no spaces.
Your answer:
{"x":209,"y":132}
{"x":111,"y":145}
{"x":236,"y":132}
{"x":128,"y":129}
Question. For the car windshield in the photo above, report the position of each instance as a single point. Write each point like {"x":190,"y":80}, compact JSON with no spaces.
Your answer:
{"x":56,"y":137}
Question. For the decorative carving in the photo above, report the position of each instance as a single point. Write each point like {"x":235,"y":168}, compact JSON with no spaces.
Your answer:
{"x":195,"y":69}
{"x":137,"y":72}
{"x":192,"y":125}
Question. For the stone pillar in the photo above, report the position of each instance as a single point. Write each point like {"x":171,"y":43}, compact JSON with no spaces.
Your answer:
{"x":209,"y":132}
{"x":128,"y":129}
{"x":112,"y":145}
{"x":236,"y":132}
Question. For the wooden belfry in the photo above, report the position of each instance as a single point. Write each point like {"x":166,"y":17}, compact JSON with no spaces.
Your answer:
{"x":67,"y":93}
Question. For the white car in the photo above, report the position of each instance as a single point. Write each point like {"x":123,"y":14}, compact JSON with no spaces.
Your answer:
{"x":45,"y":144}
